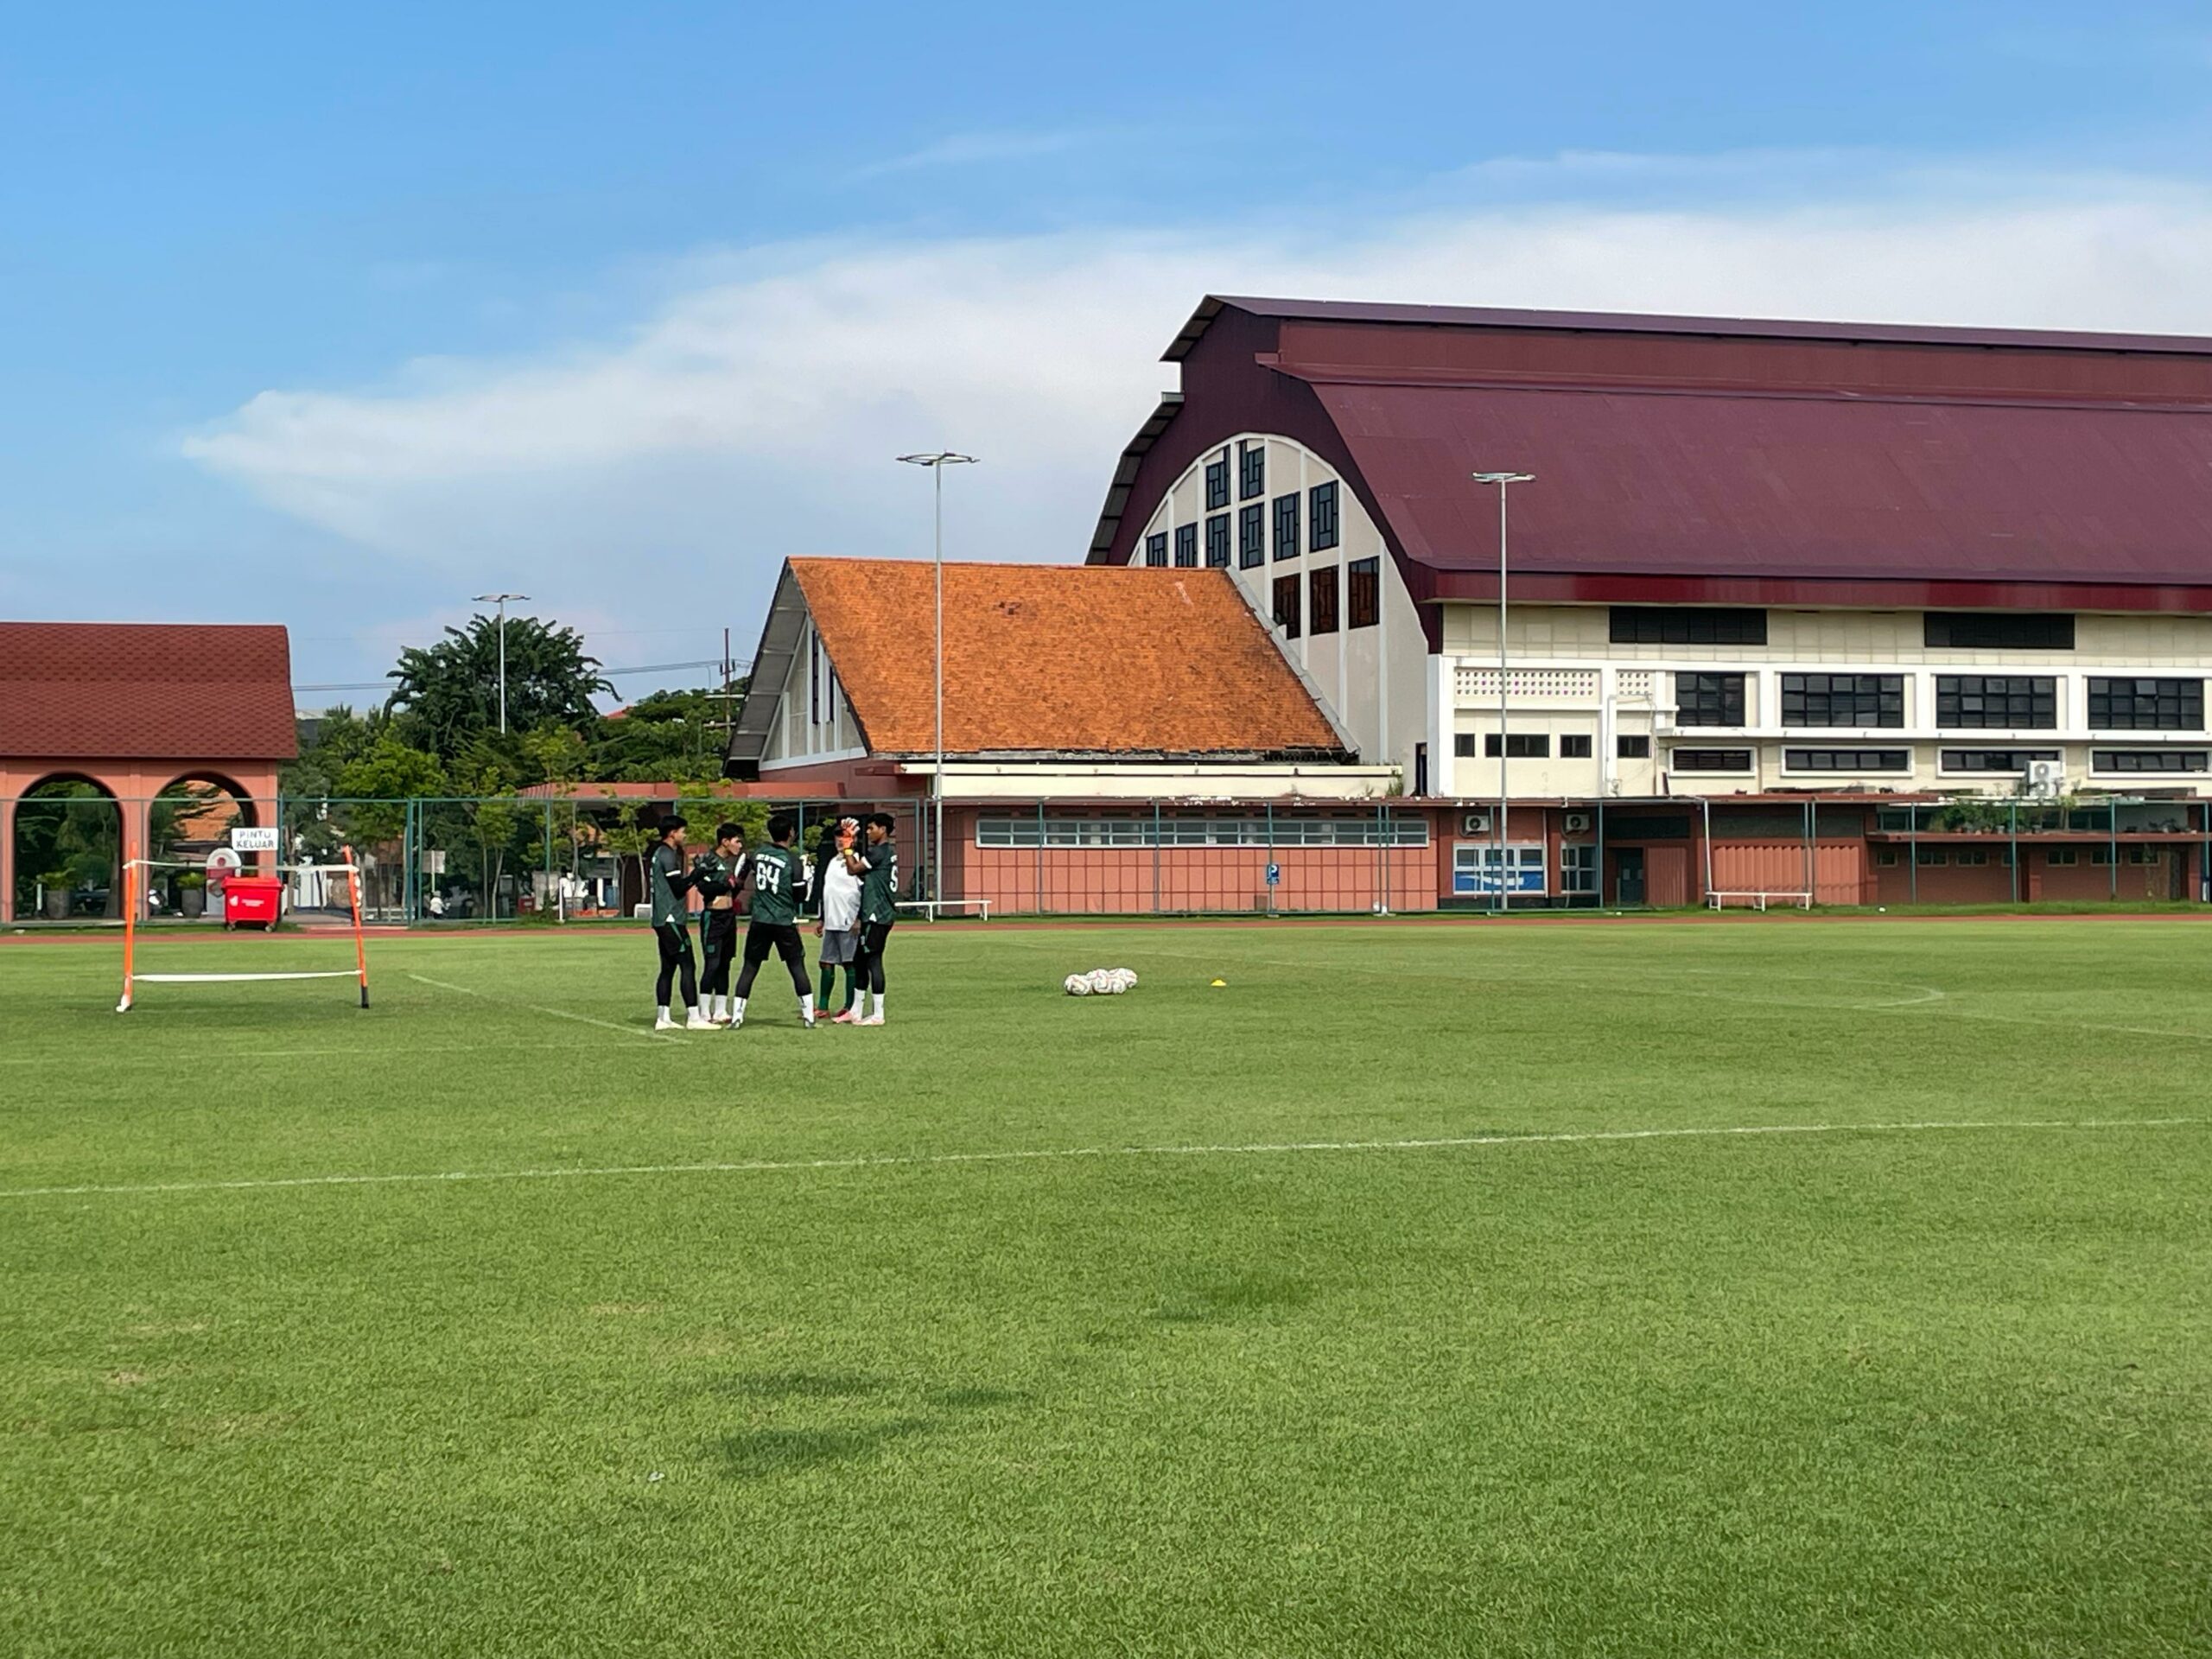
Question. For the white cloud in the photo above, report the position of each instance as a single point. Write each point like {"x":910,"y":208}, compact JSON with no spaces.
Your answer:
{"x":756,"y":415}
{"x":978,"y":148}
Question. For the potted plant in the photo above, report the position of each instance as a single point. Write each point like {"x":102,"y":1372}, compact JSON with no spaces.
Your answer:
{"x":192,"y":895}
{"x":56,"y":886}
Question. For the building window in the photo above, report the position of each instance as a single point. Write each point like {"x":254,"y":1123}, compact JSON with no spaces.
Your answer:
{"x":1217,"y":482}
{"x":1321,"y":599}
{"x":1389,"y":828}
{"x":1632,"y":748}
{"x":1155,"y":549}
{"x":1251,"y":537}
{"x":1986,"y":631}
{"x":1476,"y":868}
{"x":1708,"y":699}
{"x":1186,"y":547}
{"x":813,"y":677}
{"x":1934,"y":855}
{"x":1463,"y":745}
{"x":1574,"y":746}
{"x":2166,"y":760}
{"x":1519,"y":745}
{"x":1217,"y":541}
{"x":1363,"y":592}
{"x":2101,"y":854}
{"x":1287,"y":606}
{"x":1710,"y":760}
{"x":2062,"y":855}
{"x":1287,"y":526}
{"x":1999,"y":760}
{"x":1321,"y":530}
{"x":1685,"y":625}
{"x":2016,"y":703}
{"x":1974,"y":855}
{"x":1843,"y":700}
{"x":1577,"y":868}
{"x":2147,"y":705}
{"x":2146,"y":854}
{"x":1251,"y":471}
{"x":1886,"y":858}
{"x":1856,"y":761}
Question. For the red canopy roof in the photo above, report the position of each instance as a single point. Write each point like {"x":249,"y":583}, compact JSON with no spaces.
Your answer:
{"x":145,"y":691}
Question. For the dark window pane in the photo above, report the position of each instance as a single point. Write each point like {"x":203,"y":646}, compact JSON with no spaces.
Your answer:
{"x":1519,"y":745}
{"x":1287,"y":526}
{"x":1321,"y":530}
{"x":2154,"y":760}
{"x":1217,"y":482}
{"x":1683,"y":625}
{"x":1463,"y":745}
{"x":1632,"y":748}
{"x":1997,"y":760}
{"x":1186,"y":546}
{"x":2020,"y":703}
{"x":1251,"y":537}
{"x":1155,"y":548}
{"x":1708,"y":699}
{"x":1217,"y":541}
{"x":1847,"y":760}
{"x":2147,"y":705}
{"x":1321,"y":600}
{"x":1844,"y":700}
{"x":1710,"y":760}
{"x":1287,"y":606}
{"x":1363,"y":592}
{"x":1574,"y":746}
{"x":1987,"y":630}
{"x":1251,"y":471}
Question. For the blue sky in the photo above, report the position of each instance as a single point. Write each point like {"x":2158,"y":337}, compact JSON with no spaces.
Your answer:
{"x":334,"y":318}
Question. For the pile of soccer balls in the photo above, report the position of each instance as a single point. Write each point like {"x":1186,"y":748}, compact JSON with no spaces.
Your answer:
{"x":1100,"y":981}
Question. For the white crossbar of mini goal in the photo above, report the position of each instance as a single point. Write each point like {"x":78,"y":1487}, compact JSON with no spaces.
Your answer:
{"x":133,"y":898}
{"x":1757,"y":900}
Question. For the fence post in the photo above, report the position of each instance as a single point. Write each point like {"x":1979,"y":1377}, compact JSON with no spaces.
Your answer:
{"x":2112,"y":845}
{"x":1040,"y":858}
{"x":2012,"y":834}
{"x":1155,"y":854}
{"x":1271,"y":854}
{"x":1912,"y":851}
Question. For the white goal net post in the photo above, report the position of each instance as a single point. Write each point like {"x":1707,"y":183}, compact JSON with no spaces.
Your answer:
{"x":138,"y":872}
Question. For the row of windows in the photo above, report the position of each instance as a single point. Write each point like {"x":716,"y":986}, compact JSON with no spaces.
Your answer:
{"x":1310,"y":607}
{"x":1963,"y":702}
{"x":1186,"y":831}
{"x":1524,"y":746}
{"x":1694,"y":625}
{"x":1322,"y":528}
{"x":1887,"y":858}
{"x":1862,"y":761}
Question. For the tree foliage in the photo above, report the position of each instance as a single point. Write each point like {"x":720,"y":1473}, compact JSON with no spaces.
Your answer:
{"x":444,"y":695}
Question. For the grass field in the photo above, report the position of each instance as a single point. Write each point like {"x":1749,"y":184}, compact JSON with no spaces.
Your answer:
{"x":1415,"y":1293}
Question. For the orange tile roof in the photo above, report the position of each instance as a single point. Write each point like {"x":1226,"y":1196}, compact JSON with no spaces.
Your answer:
{"x":147,"y":691}
{"x":1057,"y":658}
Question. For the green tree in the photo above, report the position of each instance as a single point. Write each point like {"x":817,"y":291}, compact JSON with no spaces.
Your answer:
{"x":377,"y":784}
{"x":447,"y":693}
{"x":670,"y":735}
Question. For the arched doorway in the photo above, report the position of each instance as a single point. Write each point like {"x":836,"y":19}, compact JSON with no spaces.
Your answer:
{"x":192,"y":816}
{"x":68,"y":850}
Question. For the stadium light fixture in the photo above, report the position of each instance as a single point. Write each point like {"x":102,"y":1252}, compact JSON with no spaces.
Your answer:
{"x":501,"y":600}
{"x":1501,"y":479}
{"x":937,"y":461}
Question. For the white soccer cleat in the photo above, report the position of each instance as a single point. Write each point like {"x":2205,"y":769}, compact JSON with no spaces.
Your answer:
{"x":664,"y":1023}
{"x":873,"y":1019}
{"x":697,"y":1022}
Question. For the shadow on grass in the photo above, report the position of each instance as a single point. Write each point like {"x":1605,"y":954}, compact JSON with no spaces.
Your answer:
{"x":757,"y":1454}
{"x":1232,"y":1299}
{"x":802,"y":1385}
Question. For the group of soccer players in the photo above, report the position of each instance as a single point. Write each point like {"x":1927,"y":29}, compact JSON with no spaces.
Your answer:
{"x":852,"y":888}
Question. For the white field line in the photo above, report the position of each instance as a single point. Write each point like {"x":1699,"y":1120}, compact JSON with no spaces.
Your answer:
{"x":557,"y":1013}
{"x":1228,"y":1149}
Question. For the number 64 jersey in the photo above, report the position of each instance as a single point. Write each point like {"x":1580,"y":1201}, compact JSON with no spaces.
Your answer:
{"x":778,"y":877}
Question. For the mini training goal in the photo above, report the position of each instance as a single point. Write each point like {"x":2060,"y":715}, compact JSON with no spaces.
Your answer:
{"x":138,"y":873}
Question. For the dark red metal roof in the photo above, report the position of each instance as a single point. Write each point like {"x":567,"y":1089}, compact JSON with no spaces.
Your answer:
{"x":145,"y":691}
{"x":1696,"y":484}
{"x":1637,"y":323}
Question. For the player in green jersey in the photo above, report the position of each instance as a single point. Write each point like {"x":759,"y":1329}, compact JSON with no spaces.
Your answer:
{"x":779,"y":880}
{"x":667,"y":882}
{"x":719,"y":876}
{"x":879,"y":910}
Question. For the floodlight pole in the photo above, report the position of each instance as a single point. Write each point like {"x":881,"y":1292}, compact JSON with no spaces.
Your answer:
{"x":937,"y":462}
{"x":500,"y":599}
{"x":1501,"y":479}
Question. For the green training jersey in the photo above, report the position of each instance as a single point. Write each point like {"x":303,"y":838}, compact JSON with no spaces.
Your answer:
{"x":879,"y":883}
{"x":669,"y":883}
{"x":714,"y":875}
{"x":778,"y":877}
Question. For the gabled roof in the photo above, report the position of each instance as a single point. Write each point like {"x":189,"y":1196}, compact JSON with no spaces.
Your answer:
{"x":1061,"y":660}
{"x":145,"y":691}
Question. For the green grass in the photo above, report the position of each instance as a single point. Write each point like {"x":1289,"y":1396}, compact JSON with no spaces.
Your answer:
{"x":1864,"y":1391}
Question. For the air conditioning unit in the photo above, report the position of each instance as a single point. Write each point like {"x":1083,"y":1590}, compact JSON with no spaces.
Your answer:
{"x":1578,"y":824}
{"x":1475,"y":823}
{"x":2046,"y":776}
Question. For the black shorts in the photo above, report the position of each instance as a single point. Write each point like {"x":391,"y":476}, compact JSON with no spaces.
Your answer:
{"x":779,"y":938}
{"x":873,"y":936}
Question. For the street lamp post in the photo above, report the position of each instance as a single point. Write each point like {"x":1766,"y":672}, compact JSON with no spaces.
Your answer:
{"x":501,"y":600}
{"x":937,"y":461}
{"x":1501,"y":479}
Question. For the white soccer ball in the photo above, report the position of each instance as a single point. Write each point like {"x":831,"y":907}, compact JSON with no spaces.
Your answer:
{"x":1128,"y":977}
{"x":1077,"y":985}
{"x":1102,"y":981}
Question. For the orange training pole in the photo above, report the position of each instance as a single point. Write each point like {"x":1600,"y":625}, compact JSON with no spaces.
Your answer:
{"x":130,"y":923}
{"x":360,"y":948}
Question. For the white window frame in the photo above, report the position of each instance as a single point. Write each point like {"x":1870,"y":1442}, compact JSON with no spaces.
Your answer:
{"x":1474,"y":861}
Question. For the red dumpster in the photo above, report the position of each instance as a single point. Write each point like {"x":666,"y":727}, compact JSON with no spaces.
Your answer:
{"x":252,"y":900}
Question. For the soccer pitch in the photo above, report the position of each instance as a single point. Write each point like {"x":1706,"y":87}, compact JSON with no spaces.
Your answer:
{"x":1785,"y":1288}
